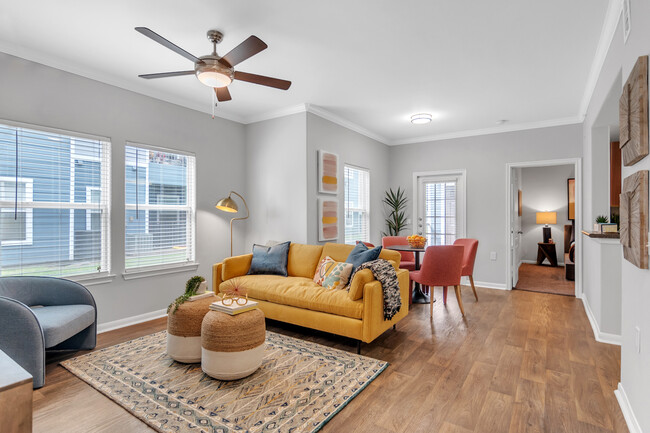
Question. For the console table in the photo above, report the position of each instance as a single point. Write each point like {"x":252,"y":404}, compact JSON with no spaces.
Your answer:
{"x":546,"y":251}
{"x":15,"y":396}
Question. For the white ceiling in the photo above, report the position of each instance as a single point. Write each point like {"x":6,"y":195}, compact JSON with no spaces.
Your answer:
{"x":373,"y":63}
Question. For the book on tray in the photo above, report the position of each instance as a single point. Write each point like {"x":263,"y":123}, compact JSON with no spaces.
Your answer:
{"x":234,"y":308}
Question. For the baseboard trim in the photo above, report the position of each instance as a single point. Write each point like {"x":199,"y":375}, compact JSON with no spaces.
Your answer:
{"x":602,"y":337}
{"x":128,"y":321}
{"x":626,"y":408}
{"x":484,"y":284}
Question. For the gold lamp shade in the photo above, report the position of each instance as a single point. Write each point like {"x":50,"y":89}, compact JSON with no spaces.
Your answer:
{"x":546,"y":218}
{"x":227,"y":205}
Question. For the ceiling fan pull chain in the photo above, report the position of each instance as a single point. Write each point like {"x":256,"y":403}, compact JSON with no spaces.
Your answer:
{"x":214,"y":103}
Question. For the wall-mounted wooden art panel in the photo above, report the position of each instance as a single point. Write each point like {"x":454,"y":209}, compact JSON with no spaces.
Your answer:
{"x":634,"y":218}
{"x":633,"y":114}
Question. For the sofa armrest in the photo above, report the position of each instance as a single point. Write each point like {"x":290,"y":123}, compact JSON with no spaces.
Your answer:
{"x":217,"y":272}
{"x":21,"y":338}
{"x":373,"y":307}
{"x":358,"y":283}
{"x":236,"y":266}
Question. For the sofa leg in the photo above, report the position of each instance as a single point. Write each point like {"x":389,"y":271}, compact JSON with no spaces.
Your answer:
{"x":358,"y":347}
{"x":394,"y":327}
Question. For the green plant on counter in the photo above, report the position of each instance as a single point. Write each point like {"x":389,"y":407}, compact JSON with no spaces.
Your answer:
{"x":396,"y":203}
{"x":601,"y":219}
{"x":191,"y":288}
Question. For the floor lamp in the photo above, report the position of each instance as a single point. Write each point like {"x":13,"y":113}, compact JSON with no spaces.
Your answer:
{"x":228,"y":205}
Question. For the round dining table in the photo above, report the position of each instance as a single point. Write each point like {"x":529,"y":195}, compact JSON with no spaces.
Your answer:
{"x":419,"y":297}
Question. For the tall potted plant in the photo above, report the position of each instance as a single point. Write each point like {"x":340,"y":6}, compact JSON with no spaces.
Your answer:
{"x":395,"y":201}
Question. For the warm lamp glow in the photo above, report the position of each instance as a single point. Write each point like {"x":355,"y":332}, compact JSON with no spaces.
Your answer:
{"x":227,"y":205}
{"x":546,"y":218}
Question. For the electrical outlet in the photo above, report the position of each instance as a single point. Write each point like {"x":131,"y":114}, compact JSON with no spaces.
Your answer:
{"x":493,"y":255}
{"x":637,"y":339}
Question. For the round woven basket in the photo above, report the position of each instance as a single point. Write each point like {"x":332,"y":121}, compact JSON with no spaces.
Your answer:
{"x":186,"y":320}
{"x":232,"y":347}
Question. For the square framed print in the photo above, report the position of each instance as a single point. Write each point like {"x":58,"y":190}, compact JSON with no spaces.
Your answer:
{"x":328,"y":170}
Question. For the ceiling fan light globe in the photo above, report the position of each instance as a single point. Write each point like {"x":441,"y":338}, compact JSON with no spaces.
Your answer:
{"x":213,"y":78}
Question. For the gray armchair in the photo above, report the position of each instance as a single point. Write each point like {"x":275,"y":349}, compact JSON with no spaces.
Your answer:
{"x":44,"y":313}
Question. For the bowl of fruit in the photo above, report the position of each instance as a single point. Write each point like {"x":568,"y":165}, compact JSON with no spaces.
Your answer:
{"x":416,"y":241}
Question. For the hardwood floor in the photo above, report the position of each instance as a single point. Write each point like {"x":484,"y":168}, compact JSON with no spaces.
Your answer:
{"x":545,"y":279}
{"x":518,"y":362}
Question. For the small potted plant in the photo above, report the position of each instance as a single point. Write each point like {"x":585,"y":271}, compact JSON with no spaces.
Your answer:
{"x":192,"y":287}
{"x":600,"y":219}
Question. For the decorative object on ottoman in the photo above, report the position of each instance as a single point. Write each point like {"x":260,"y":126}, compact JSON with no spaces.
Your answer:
{"x":416,"y":241}
{"x":191,"y":289}
{"x":184,"y":330}
{"x":232,"y":347}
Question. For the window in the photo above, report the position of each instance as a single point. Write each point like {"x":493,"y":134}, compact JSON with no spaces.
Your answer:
{"x":159,"y":207}
{"x":357,"y":204}
{"x":441,"y":208}
{"x":48,"y":224}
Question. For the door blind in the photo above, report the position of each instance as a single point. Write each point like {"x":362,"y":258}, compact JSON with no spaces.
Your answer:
{"x":357,"y":204}
{"x":440,"y":212}
{"x":159,"y":207}
{"x":54,"y":203}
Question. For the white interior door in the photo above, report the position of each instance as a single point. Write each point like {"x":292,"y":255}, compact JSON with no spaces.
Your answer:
{"x":441,"y":208}
{"x":515,"y":227}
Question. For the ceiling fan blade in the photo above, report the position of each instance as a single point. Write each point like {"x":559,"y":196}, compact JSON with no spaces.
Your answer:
{"x":166,"y":74}
{"x":243,"y":51}
{"x":165,"y":43}
{"x":223,"y":94}
{"x":261,"y":79}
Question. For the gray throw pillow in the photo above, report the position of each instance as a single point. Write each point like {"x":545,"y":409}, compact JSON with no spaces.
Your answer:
{"x":270,"y":260}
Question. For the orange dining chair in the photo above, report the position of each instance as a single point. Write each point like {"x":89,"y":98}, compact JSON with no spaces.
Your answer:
{"x":469,"y":257}
{"x":368,"y":244}
{"x":441,"y":266}
{"x":408,"y":258}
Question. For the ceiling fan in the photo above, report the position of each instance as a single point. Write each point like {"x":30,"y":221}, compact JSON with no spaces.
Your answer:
{"x":214,"y":71}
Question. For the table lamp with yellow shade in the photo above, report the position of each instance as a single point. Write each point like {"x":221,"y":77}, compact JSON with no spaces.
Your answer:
{"x":546,"y":218}
{"x":227,"y":204}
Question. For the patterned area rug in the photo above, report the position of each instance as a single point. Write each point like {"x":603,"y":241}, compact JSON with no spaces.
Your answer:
{"x":299,"y":387}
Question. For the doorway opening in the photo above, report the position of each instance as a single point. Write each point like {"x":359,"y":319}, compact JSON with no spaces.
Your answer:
{"x":543,"y":222}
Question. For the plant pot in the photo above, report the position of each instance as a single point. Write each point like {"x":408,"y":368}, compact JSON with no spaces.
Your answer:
{"x":203,"y":287}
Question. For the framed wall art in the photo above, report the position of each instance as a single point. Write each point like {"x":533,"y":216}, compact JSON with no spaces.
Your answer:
{"x":634,"y":219}
{"x":633,"y":114}
{"x":328,"y":170}
{"x":328,"y":219}
{"x":571,"y":197}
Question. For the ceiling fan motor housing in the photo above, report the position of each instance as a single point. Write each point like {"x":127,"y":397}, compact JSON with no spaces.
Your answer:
{"x":212,"y":73}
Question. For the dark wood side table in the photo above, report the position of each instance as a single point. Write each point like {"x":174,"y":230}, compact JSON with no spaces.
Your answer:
{"x":546,"y":251}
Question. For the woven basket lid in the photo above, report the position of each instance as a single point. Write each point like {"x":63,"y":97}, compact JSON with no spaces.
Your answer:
{"x":186,"y":320}
{"x":222,"y":332}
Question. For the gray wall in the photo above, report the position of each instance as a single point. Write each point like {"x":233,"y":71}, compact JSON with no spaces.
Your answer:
{"x":276,"y":188}
{"x":544,"y":189}
{"x":40,"y":95}
{"x":484,"y":158}
{"x":352,"y":148}
{"x":635,"y":283}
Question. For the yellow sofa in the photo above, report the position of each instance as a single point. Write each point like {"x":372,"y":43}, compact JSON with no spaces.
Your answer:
{"x":357,"y":313}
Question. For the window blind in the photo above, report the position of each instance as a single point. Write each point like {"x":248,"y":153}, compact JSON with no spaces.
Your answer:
{"x":49,"y":224}
{"x":357,"y":204}
{"x":440,"y":212}
{"x":159,"y":207}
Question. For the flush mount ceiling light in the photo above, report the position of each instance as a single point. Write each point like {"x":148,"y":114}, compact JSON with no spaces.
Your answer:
{"x":421,"y":118}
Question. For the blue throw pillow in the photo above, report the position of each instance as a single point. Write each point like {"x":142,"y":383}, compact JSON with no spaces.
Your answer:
{"x":361,"y":254}
{"x":270,"y":260}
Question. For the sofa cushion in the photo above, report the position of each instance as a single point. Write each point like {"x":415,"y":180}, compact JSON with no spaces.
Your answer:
{"x":340,"y":252}
{"x":236,"y":266}
{"x":60,"y":322}
{"x":270,"y":260}
{"x":299,"y":292}
{"x":361,"y":254}
{"x":331,"y":274}
{"x":303,"y":260}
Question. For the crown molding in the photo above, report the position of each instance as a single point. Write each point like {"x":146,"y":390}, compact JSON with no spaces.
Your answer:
{"x":614,"y":10}
{"x":92,"y":74}
{"x":274,"y":114}
{"x":328,"y":115}
{"x":488,"y":131}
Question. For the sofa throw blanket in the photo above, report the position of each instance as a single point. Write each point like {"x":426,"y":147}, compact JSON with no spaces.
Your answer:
{"x":384,"y":272}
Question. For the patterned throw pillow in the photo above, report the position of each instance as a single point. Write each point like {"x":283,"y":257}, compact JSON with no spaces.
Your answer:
{"x":331,"y":274}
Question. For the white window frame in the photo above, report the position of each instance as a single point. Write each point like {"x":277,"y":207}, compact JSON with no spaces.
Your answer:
{"x":365,"y":212}
{"x":461,"y":197}
{"x":90,"y":212}
{"x":102,"y":275}
{"x":190,"y":208}
{"x":29,"y":213}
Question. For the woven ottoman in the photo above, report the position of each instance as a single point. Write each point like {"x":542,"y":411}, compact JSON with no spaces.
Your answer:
{"x":232,"y":347}
{"x":184,"y":330}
